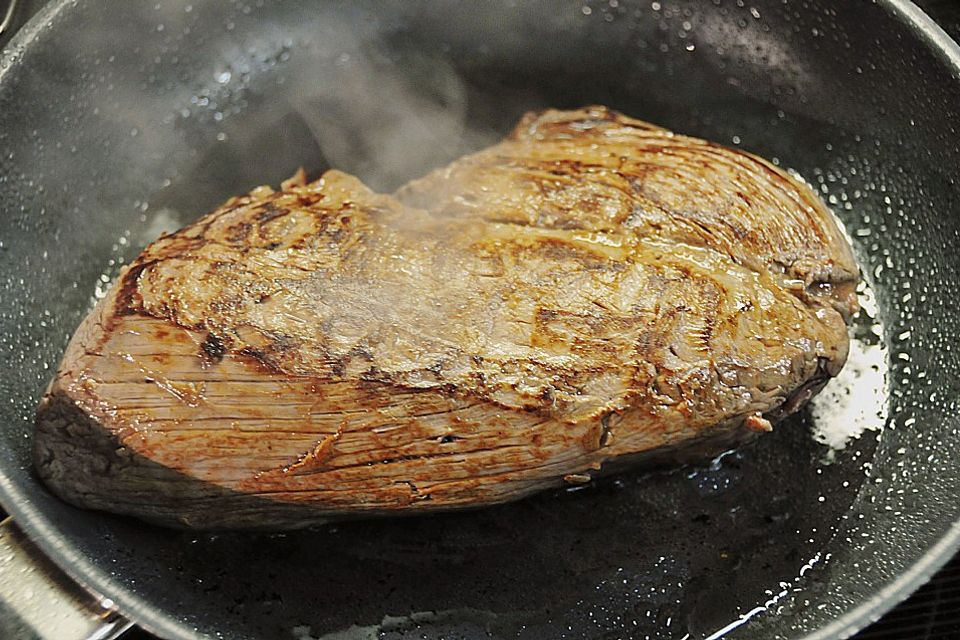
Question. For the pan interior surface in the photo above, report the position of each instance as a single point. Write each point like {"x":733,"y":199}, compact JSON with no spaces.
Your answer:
{"x":112,"y":131}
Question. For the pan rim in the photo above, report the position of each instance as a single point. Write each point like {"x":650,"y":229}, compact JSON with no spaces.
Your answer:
{"x":34,"y":522}
{"x":41,"y":529}
{"x":937,"y":555}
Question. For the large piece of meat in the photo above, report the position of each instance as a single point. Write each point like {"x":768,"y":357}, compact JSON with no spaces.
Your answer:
{"x":592,"y":290}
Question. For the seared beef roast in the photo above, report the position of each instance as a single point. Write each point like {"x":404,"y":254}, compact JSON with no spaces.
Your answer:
{"x":591,"y":290}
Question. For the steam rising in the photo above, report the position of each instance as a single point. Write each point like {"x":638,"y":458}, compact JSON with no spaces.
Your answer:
{"x":203,"y":123}
{"x":379,"y":124}
{"x":232,"y":99}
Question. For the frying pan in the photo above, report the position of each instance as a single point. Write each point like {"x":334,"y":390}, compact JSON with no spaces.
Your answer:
{"x":118,"y":121}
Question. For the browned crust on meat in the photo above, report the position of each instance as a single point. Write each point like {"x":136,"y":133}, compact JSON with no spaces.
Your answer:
{"x":655,"y":183}
{"x":592,"y":289}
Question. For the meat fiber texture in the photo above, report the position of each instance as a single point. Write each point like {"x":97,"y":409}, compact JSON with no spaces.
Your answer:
{"x":593,"y":290}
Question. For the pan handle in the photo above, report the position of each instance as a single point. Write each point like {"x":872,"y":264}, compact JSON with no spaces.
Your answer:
{"x":39,"y":601}
{"x":7,"y":19}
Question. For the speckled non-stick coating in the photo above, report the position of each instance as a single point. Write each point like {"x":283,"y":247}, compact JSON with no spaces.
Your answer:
{"x":117,"y":119}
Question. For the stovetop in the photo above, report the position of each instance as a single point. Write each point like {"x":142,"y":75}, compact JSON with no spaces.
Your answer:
{"x":933,"y":612}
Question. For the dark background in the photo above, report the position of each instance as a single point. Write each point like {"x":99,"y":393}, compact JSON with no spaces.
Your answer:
{"x":933,"y":613}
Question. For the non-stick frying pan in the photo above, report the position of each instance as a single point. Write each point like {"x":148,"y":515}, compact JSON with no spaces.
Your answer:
{"x":120,"y":120}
